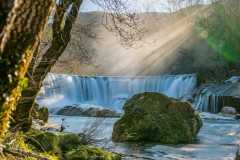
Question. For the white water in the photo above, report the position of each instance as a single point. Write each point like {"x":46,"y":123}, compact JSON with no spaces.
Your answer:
{"x":110,"y":91}
{"x":211,"y":98}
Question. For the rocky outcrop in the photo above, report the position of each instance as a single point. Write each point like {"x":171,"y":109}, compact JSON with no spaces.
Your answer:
{"x":154,"y":117}
{"x":89,"y":112}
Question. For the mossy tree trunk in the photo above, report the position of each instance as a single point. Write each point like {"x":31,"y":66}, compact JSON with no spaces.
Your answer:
{"x":20,"y":34}
{"x":65,"y":16}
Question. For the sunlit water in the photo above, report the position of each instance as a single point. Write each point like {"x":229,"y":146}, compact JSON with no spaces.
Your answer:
{"x":217,"y":139}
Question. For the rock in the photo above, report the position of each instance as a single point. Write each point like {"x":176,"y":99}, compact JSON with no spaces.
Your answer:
{"x":234,"y":79}
{"x":89,"y":112}
{"x":153,"y":117}
{"x":228,"y":110}
{"x":96,"y":112}
{"x":237,"y":116}
{"x":70,"y":111}
{"x":88,"y":152}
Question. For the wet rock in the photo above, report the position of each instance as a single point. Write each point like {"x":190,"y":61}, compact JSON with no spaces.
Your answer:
{"x":89,"y":112}
{"x":237,"y":116}
{"x":228,"y":110}
{"x":96,"y":112}
{"x":70,"y":111}
{"x":154,"y":117}
{"x":233,"y":79}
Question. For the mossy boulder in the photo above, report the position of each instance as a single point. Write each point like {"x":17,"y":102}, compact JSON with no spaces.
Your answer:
{"x":154,"y":117}
{"x":88,"y":152}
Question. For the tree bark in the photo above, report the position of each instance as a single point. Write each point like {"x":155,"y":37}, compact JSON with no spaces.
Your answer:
{"x":20,"y":34}
{"x":5,"y":7}
{"x":61,"y":38}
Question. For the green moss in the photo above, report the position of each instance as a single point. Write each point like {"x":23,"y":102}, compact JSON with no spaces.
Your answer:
{"x":153,"y":117}
{"x":56,"y":143}
{"x":18,"y":141}
{"x":70,"y":141}
{"x":87,"y":152}
{"x":67,"y":146}
{"x":46,"y":142}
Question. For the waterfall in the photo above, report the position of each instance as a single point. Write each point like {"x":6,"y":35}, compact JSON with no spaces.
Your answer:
{"x":213,"y":97}
{"x":110,"y":91}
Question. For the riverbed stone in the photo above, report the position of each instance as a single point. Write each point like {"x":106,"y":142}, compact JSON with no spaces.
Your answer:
{"x":87,"y":112}
{"x":229,"y":110}
{"x":154,"y":117}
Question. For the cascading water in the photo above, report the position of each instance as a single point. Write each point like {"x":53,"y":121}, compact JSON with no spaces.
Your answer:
{"x":213,"y":97}
{"x":209,"y":99}
{"x":110,"y":91}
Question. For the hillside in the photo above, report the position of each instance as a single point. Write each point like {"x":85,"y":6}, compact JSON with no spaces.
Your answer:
{"x":170,"y":44}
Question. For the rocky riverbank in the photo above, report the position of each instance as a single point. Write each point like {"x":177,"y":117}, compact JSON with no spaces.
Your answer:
{"x":87,"y":112}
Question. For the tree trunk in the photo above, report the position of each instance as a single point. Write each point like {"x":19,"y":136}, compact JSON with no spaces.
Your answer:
{"x":61,"y":38}
{"x":19,"y":38}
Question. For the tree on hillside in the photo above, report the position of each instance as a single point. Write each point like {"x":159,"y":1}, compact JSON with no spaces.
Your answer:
{"x":21,"y":26}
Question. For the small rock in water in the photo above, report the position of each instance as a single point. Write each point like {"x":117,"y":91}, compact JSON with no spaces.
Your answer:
{"x":234,"y":79}
{"x":237,"y":116}
{"x":229,"y":110}
{"x":87,"y":112}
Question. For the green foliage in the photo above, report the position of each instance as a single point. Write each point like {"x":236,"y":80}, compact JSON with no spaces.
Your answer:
{"x":221,"y":29}
{"x":40,"y":113}
{"x":18,"y":141}
{"x":23,"y":83}
{"x":67,"y":146}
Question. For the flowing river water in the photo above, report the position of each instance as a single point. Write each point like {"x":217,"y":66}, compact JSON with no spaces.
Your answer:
{"x":217,"y":140}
